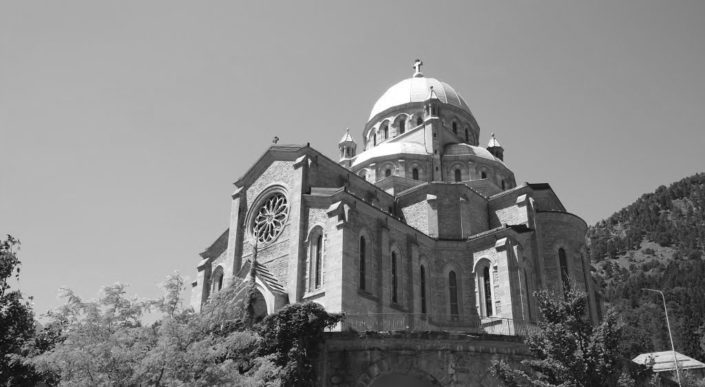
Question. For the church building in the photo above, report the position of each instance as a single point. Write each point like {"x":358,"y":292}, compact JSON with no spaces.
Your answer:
{"x":415,"y":227}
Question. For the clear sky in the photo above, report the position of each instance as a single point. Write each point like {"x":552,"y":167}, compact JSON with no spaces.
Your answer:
{"x":124,"y":124}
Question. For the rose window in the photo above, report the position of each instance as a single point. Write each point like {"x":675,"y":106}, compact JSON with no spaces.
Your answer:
{"x":269,"y":221}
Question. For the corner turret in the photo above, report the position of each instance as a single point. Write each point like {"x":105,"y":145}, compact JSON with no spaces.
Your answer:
{"x":495,"y":148}
{"x":347,"y":148}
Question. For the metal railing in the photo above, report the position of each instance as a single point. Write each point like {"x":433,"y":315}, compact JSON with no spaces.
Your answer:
{"x":380,"y":322}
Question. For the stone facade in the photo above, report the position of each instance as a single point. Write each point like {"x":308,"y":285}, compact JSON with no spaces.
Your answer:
{"x":404,"y":359}
{"x":423,"y":230}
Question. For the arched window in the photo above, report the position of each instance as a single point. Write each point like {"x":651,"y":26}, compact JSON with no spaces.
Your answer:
{"x":487,"y":294}
{"x":419,"y":120}
{"x":503,"y":184}
{"x":402,"y":126}
{"x":484,"y":175}
{"x":385,"y":131}
{"x":217,"y":279}
{"x":374,"y":139}
{"x":563,"y":261}
{"x":457,"y":175}
{"x":422,"y":282}
{"x":387,"y":172}
{"x":453,"y":290}
{"x":318,"y":276}
{"x":395,"y":280}
{"x":467,"y":136}
{"x":363,"y":246}
{"x":415,"y":173}
{"x":455,"y":128}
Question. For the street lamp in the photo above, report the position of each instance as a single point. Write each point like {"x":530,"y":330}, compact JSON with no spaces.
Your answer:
{"x":675,"y":360}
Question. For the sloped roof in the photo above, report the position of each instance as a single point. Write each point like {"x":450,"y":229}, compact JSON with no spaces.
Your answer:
{"x":663,"y":361}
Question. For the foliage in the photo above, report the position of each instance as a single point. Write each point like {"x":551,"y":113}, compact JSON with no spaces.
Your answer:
{"x":294,"y":352}
{"x":568,"y":350}
{"x":105,"y":342}
{"x":16,"y":320}
{"x":673,"y":217}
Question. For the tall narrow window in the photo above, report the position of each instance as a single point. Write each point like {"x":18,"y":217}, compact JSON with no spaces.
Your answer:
{"x":415,"y":173}
{"x":455,"y":128}
{"x":423,"y":289}
{"x":374,"y":140}
{"x":394,"y":278}
{"x":484,"y":175}
{"x":564,"y":267}
{"x":467,"y":136}
{"x":319,"y":262}
{"x":387,"y":172}
{"x":362,"y":262}
{"x":526,"y":290}
{"x":457,"y":175}
{"x":488,"y":291}
{"x":402,"y":126}
{"x":453,"y":290}
{"x":503,"y":184}
{"x":386,"y":132}
{"x":217,"y":279}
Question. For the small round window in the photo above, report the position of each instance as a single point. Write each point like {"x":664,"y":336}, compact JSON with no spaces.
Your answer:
{"x":268,"y":223}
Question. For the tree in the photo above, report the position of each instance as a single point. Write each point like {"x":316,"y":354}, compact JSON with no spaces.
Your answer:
{"x":16,"y":320}
{"x":106,"y":342}
{"x":568,"y":350}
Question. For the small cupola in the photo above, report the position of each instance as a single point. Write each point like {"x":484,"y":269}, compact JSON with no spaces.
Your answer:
{"x":495,"y":148}
{"x":347,"y":148}
{"x":432,"y":104}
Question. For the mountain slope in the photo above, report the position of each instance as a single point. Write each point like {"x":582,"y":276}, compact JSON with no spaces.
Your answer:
{"x":657,"y":242}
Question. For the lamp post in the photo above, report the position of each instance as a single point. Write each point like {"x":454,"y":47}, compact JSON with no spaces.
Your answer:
{"x":668,"y":324}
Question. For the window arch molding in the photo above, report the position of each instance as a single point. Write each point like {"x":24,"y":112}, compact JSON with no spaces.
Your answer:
{"x":314,"y":273}
{"x":484,"y":287}
{"x":383,"y":169}
{"x":453,"y":175}
{"x":217,"y":279}
{"x":400,"y":123}
{"x":384,"y":131}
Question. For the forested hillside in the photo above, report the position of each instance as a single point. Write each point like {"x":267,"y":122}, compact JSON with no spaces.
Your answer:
{"x":657,"y":242}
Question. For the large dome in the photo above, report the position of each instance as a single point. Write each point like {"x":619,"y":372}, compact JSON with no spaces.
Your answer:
{"x":417,"y":89}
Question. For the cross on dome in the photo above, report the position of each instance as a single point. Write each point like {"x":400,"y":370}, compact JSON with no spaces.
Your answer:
{"x":417,"y":68}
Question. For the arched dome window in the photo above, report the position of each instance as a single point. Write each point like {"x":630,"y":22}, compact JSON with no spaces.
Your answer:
{"x":402,"y":126}
{"x":455,"y":128}
{"x":503,"y":184}
{"x":387,"y":172}
{"x":483,"y":175}
{"x":457,"y":175}
{"x":467,"y":136}
{"x":415,"y":173}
